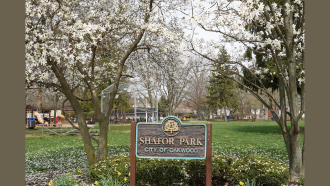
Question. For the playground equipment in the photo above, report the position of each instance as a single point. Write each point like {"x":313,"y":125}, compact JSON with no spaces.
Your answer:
{"x":39,"y":117}
{"x":32,"y":112}
{"x":58,"y":115}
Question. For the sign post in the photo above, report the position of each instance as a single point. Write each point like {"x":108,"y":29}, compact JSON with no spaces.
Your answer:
{"x":133,"y":157}
{"x":209,"y":155}
{"x":171,"y":139}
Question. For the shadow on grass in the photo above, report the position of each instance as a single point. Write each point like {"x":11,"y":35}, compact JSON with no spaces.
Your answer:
{"x":272,"y":129}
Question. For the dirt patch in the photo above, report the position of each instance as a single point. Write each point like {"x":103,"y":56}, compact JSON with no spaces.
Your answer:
{"x":30,"y":135}
{"x":301,"y":131}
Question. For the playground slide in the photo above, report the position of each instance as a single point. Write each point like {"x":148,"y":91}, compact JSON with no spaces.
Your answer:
{"x":59,"y":114}
{"x":38,"y":116}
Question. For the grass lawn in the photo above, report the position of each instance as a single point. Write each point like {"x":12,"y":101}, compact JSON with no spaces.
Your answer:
{"x":260,"y":138}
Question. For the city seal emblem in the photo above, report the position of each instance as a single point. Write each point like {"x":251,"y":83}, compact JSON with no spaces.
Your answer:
{"x":171,"y":125}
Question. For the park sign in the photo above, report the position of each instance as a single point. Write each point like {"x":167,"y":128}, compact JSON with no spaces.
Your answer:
{"x":171,"y":139}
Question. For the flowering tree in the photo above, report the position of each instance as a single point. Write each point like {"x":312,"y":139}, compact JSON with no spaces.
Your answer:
{"x":70,"y":44}
{"x":275,"y":29}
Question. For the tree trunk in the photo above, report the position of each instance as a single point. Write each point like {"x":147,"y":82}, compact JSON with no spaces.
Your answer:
{"x":295,"y":165}
{"x":39,"y":99}
{"x":266,"y":114}
{"x":242,"y":112}
{"x":302,"y":173}
{"x":79,"y":114}
{"x":55,"y":108}
{"x":220,"y":113}
{"x":225,"y":112}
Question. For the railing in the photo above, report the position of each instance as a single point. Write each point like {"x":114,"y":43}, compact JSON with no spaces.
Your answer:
{"x":64,"y":130}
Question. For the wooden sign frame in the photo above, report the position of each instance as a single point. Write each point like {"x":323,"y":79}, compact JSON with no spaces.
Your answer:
{"x":208,"y":151}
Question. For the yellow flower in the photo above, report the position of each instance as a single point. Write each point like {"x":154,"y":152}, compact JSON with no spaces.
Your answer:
{"x":119,"y":173}
{"x":68,"y":173}
{"x":96,"y":183}
{"x":125,"y":179}
{"x":76,"y":185}
{"x":241,"y":183}
{"x":129,"y":174}
{"x":79,"y":171}
{"x":51,"y":181}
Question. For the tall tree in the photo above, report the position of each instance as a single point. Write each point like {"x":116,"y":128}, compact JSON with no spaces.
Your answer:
{"x":65,"y":43}
{"x":222,"y":93}
{"x":221,"y":89}
{"x":281,"y":39}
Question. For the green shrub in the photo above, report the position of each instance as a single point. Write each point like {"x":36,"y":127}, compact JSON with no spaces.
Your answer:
{"x":248,"y":183}
{"x":63,"y":180}
{"x":192,"y":172}
{"x":302,"y":181}
{"x":117,"y":167}
{"x":109,"y":181}
{"x":195,"y":170}
{"x":91,"y":114}
{"x":266,"y":171}
{"x":152,"y":171}
{"x":162,"y":172}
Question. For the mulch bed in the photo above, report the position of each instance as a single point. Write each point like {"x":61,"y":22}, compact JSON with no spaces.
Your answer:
{"x":42,"y":179}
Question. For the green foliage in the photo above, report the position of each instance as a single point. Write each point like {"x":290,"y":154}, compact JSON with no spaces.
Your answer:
{"x":192,"y":172}
{"x":163,"y":105}
{"x":248,"y":54}
{"x":66,"y":115}
{"x":63,"y":180}
{"x":302,"y":181}
{"x":117,"y":167}
{"x":160,"y":172}
{"x":221,"y":91}
{"x":122,"y":102}
{"x":247,"y":183}
{"x":91,"y":114}
{"x":266,"y":171}
{"x":152,"y":171}
{"x":109,"y":181}
{"x":73,"y":114}
{"x":86,"y":115}
{"x":221,"y":88}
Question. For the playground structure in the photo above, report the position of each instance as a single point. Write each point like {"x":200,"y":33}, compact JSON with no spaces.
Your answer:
{"x":32,"y":111}
{"x":58,"y":115}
